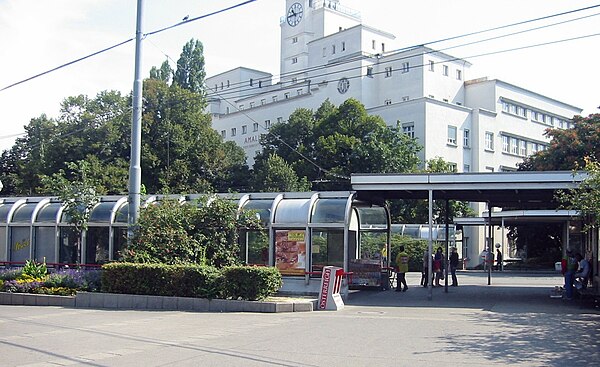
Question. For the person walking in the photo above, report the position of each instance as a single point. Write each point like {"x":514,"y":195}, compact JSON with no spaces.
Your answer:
{"x":498,"y":260}
{"x":425,"y":271}
{"x":454,"y":266}
{"x":402,"y":264}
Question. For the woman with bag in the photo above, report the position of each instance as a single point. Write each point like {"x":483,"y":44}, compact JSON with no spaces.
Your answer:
{"x":438,"y":268}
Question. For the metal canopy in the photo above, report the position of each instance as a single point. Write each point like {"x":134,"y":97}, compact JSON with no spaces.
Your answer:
{"x":501,"y":189}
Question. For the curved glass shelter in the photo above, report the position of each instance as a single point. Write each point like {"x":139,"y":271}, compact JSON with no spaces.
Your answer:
{"x":303,"y":232}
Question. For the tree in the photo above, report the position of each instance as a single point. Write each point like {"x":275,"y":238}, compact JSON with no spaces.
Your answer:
{"x":586,"y":197}
{"x":328,"y":145}
{"x":78,"y":193}
{"x":164,"y":73}
{"x":276,"y":175}
{"x":568,"y":148}
{"x":204,"y":233}
{"x":190,"y":72}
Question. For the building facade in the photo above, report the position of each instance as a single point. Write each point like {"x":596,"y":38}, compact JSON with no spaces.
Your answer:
{"x":477,"y":125}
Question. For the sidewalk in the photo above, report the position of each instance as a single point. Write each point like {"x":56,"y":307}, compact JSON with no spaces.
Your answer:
{"x":512,"y":322}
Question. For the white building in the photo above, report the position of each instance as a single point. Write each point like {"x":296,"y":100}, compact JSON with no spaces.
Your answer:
{"x":478,"y":125}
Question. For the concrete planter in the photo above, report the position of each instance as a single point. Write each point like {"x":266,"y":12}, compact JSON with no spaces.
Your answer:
{"x":143,"y":302}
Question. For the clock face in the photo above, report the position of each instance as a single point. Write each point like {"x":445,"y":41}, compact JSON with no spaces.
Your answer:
{"x":294,"y":14}
{"x":343,"y":85}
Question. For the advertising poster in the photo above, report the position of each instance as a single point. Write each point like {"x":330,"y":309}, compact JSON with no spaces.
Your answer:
{"x":290,"y":251}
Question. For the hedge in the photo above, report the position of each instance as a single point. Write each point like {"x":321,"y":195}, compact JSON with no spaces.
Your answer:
{"x":239,"y":282}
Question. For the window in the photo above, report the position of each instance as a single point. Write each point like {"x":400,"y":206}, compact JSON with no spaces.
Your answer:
{"x":445,"y":70}
{"x":260,"y":83}
{"x":459,"y":74}
{"x":294,"y":80}
{"x":279,"y":120}
{"x":452,"y":167}
{"x":251,"y":82}
{"x":405,"y":99}
{"x":388,"y":71}
{"x":223,"y":134}
{"x":333,"y":49}
{"x":370,"y":71}
{"x":233,"y":131}
{"x":514,"y":109}
{"x":451,"y":134}
{"x":382,"y":47}
{"x":286,"y":95}
{"x":431,"y":65}
{"x":251,"y":104}
{"x":263,"y":102}
{"x":522,"y":148}
{"x":216,"y":86}
{"x":267,"y":124}
{"x":409,"y":129}
{"x":221,"y":85}
{"x":227,"y":110}
{"x":466,"y":168}
{"x":489,"y":140}
{"x":241,"y":107}
{"x":294,"y":60}
{"x":388,"y":102}
{"x":343,"y":46}
{"x":514,"y":146}
{"x":324,"y":51}
{"x":505,"y":144}
{"x":299,"y":92}
{"x":294,"y":39}
{"x":373,"y":43}
{"x":405,"y":67}
{"x":466,"y":138}
{"x":244,"y":129}
{"x":274,"y":98}
{"x":255,"y":126}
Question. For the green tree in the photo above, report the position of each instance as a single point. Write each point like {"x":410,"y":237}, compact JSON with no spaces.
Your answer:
{"x":164,"y":73}
{"x":205,"y":233}
{"x":276,"y":175}
{"x":190,"y":72}
{"x":328,"y":145}
{"x":586,"y":197}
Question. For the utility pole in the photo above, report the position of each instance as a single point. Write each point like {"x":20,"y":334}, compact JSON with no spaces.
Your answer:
{"x":135,"y":170}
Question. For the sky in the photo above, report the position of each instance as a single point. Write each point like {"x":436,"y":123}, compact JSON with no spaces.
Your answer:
{"x":39,"y":35}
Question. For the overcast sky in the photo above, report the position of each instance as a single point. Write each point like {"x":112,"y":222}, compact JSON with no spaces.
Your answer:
{"x":37,"y":35}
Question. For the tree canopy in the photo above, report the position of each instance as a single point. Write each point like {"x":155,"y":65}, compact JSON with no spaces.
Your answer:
{"x":327,"y":145}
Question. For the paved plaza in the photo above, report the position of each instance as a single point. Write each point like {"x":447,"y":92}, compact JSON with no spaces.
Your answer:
{"x":512,"y":322}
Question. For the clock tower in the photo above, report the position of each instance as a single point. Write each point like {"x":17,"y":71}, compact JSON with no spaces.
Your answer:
{"x":303,"y":22}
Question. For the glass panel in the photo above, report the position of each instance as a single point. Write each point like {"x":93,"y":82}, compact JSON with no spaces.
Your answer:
{"x":329,"y":211}
{"x":258,"y":248}
{"x":4,"y":209}
{"x":3,"y":244}
{"x":119,"y":242}
{"x":44,"y":244}
{"x":96,"y":251}
{"x":262,"y":207}
{"x":101,"y":212}
{"x":122,"y":214}
{"x":69,"y":246}
{"x":20,"y":244}
{"x":48,"y":213}
{"x":292,"y":211}
{"x":372,"y":218}
{"x":23,"y":213}
{"x":290,"y":251}
{"x":327,"y":248}
{"x":373,"y":246}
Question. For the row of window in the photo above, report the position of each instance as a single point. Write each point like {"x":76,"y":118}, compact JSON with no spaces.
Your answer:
{"x":255,"y":128}
{"x":537,"y":116}
{"x":520,"y":147}
{"x":227,"y":84}
{"x":263,"y":101}
{"x":445,"y":70}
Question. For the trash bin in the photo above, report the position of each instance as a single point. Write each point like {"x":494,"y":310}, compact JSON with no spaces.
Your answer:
{"x":558,"y":266}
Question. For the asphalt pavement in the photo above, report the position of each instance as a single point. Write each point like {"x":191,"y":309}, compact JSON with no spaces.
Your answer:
{"x":513,"y":321}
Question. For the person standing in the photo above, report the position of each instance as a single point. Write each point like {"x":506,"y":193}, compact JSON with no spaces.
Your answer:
{"x":454,"y":266}
{"x":569,"y":267}
{"x":498,"y":260}
{"x":425,"y":271}
{"x":438,"y":266}
{"x":583,"y":273}
{"x":402,"y":263}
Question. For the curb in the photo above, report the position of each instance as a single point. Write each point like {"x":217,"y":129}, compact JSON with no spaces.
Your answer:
{"x":143,"y":302}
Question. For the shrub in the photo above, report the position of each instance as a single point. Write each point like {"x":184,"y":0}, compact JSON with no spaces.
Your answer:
{"x":161,"y":280}
{"x":83,"y":280}
{"x":10,"y":274}
{"x":250,"y":283}
{"x":35,"y":270}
